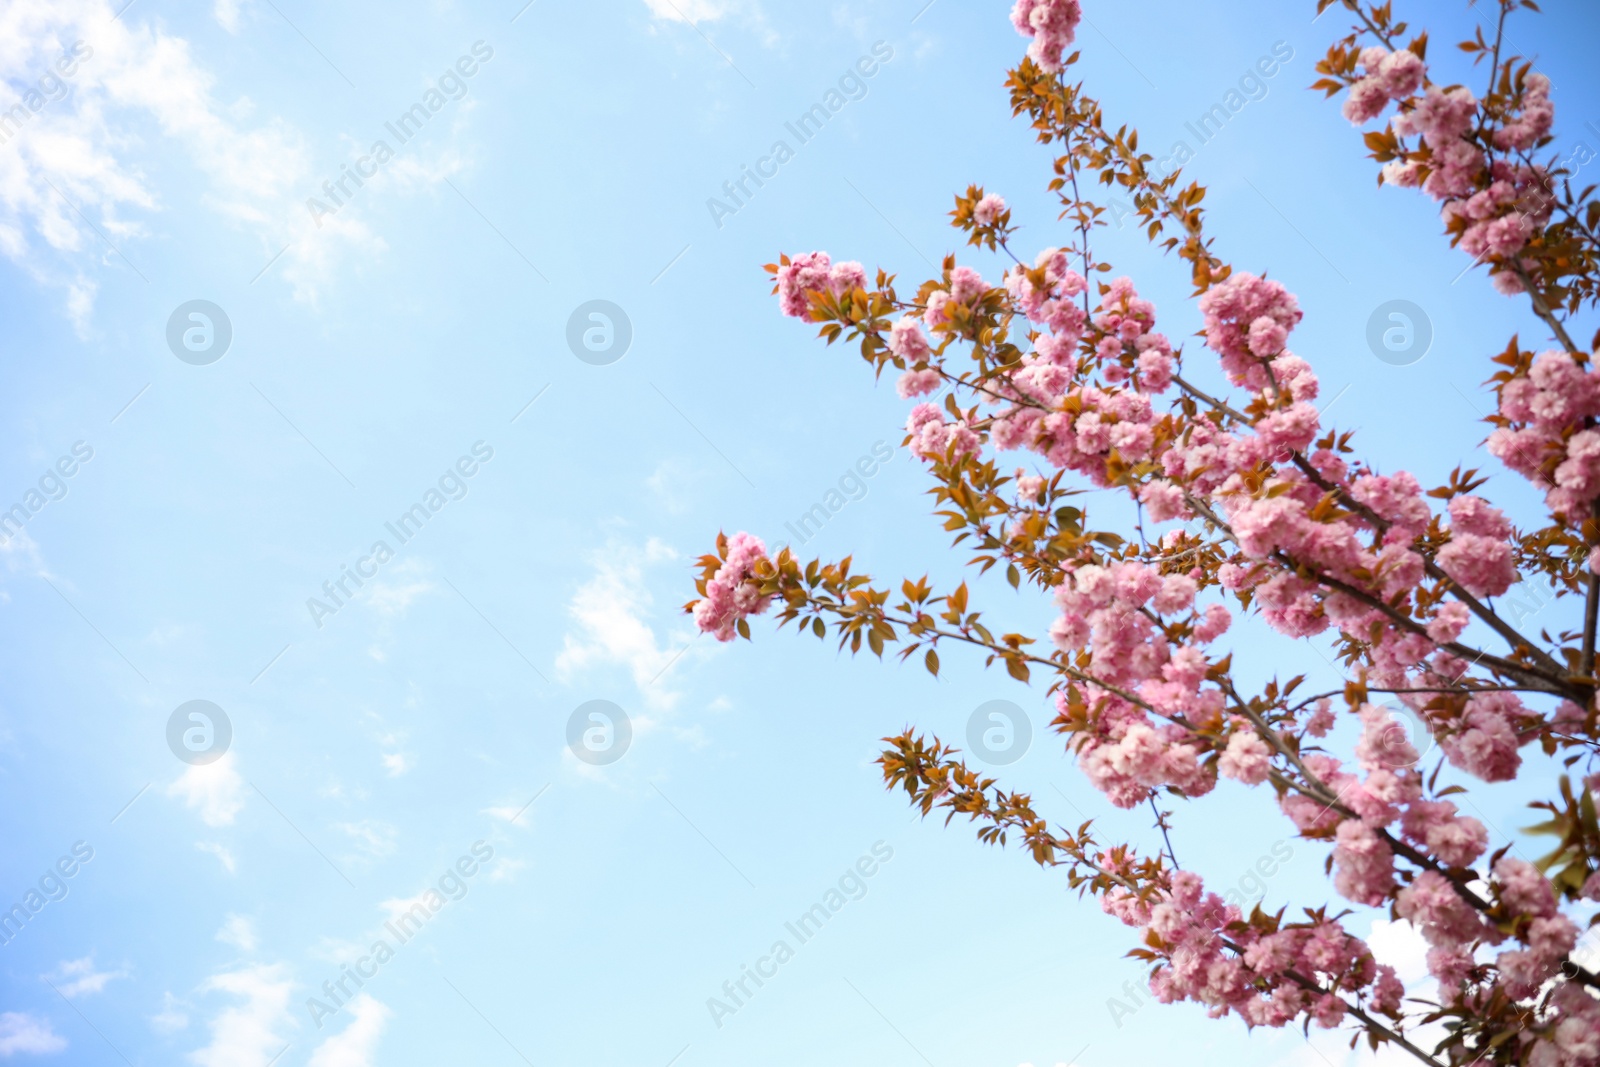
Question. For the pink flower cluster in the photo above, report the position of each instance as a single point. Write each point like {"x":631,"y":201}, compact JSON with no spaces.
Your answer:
{"x":1389,"y":76}
{"x":1247,"y":321}
{"x":1569,"y":1035}
{"x":934,"y":439}
{"x":1127,"y":327}
{"x":1390,"y":793}
{"x":1486,"y":740}
{"x":1479,"y":552}
{"x":730,"y":596}
{"x":1547,"y":440}
{"x":1052,"y":307}
{"x":1443,"y":120}
{"x":1499,"y":220}
{"x":1533,"y":123}
{"x":1108,"y":610}
{"x":1496,"y":204}
{"x":1212,"y":957}
{"x":813,"y":272}
{"x":966,"y":286}
{"x":1053,"y":25}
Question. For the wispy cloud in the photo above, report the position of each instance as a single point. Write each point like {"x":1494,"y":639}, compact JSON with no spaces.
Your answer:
{"x":612,"y":613}
{"x":171,"y":1018}
{"x":394,"y":594}
{"x":221,"y":851}
{"x":238,"y":931}
{"x":692,"y":10}
{"x":249,"y":1031}
{"x":21,"y":1032}
{"x":355,"y":1045}
{"x":371,"y":838}
{"x":77,"y":978}
{"x":215,"y":790}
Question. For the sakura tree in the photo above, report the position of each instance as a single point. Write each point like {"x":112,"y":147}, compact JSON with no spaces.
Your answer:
{"x":1248,"y":504}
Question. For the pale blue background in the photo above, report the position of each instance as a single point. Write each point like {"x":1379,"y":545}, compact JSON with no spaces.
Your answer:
{"x":408,"y":726}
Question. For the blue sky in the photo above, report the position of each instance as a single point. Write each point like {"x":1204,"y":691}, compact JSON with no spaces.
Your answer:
{"x":380,"y":350}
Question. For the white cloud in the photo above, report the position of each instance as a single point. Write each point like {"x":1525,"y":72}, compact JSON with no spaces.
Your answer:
{"x":21,"y":1032}
{"x":214,"y":789}
{"x":395,"y":907}
{"x":170,"y":1019}
{"x":224,"y":856}
{"x":227,"y":14}
{"x":76,"y":978}
{"x":612,"y":611}
{"x":140,"y":101}
{"x":73,"y":153}
{"x":505,"y":870}
{"x":354,"y":1045}
{"x":372,"y":839}
{"x":239,"y":931}
{"x":21,"y":553}
{"x":395,"y":760}
{"x":1401,"y":946}
{"x":667,"y":484}
{"x":508,"y":813}
{"x":691,"y":10}
{"x":248,"y":1032}
{"x":394,"y":596}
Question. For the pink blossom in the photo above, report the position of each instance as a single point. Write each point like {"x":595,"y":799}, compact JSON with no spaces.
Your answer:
{"x":730,"y":596}
{"x":1321,"y":720}
{"x":1487,"y":744}
{"x":1438,"y":911}
{"x":989,"y":209}
{"x":1533,"y":123}
{"x":803,"y":274}
{"x":1484,"y":566}
{"x":1454,"y":839}
{"x":1523,"y":889}
{"x":1248,"y":319}
{"x":1452,"y":618}
{"x":1053,"y":25}
{"x":932,"y":438}
{"x":1363,"y":864}
{"x":1368,"y":97}
{"x":1247,"y":759}
{"x":917,"y":383}
{"x":846,"y":277}
{"x":907,"y":340}
{"x":1402,"y":73}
